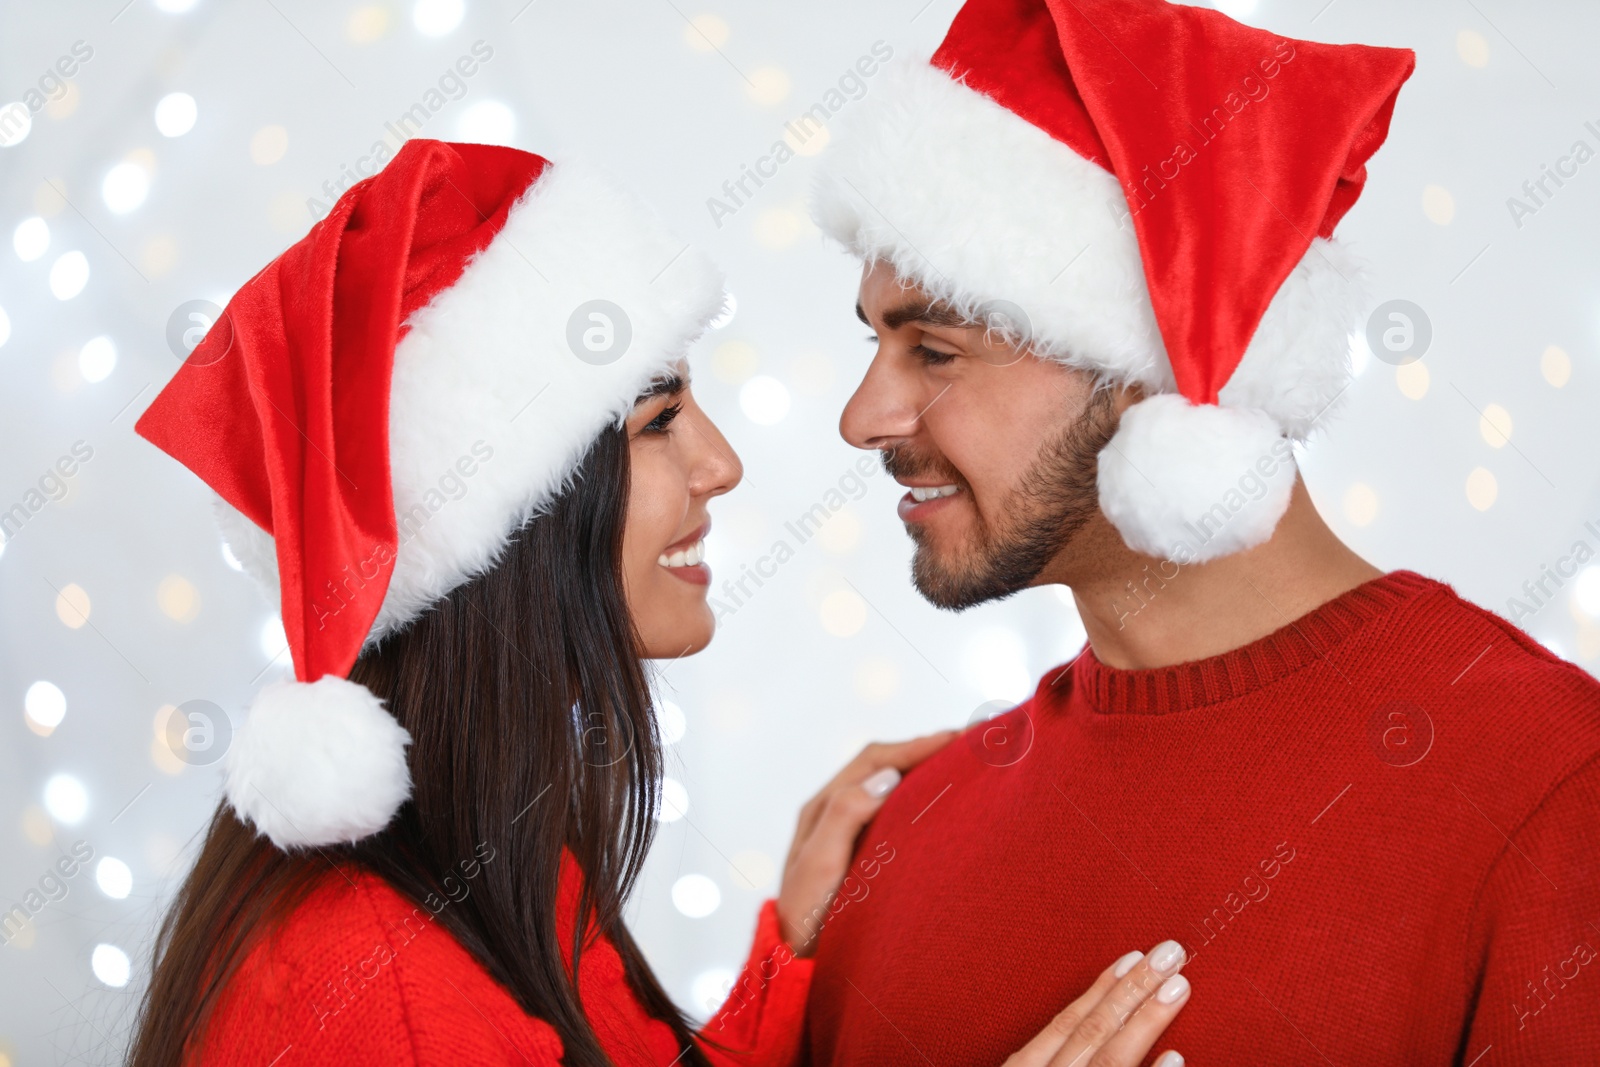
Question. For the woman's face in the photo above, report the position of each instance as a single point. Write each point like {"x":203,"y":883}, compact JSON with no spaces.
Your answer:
{"x":679,"y":462}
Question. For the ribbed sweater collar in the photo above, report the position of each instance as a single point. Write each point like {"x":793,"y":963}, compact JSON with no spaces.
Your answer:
{"x":1246,"y":669}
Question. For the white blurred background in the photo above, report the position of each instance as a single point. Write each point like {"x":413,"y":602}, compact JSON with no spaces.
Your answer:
{"x":184,"y":151}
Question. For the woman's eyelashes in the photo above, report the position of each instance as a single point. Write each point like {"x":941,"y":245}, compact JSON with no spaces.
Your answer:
{"x":660,"y":423}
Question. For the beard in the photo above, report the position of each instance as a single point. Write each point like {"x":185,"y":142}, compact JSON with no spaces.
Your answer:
{"x":1055,"y":498}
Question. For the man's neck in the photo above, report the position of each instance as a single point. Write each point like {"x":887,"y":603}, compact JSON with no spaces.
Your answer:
{"x":1142,"y":612}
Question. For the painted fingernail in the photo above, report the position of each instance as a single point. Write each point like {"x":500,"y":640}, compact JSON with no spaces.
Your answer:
{"x":1125,"y":964}
{"x":1169,"y":1059}
{"x":881,"y":783}
{"x":1173,"y":989}
{"x":1166,"y":957}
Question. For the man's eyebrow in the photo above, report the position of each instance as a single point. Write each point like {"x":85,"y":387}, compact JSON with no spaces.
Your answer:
{"x":670,"y":385}
{"x":926,"y":312}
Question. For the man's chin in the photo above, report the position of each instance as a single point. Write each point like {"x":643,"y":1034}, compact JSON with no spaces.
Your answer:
{"x":954,"y":585}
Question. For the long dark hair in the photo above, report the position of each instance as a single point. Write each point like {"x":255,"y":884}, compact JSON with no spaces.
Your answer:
{"x":532,"y":731}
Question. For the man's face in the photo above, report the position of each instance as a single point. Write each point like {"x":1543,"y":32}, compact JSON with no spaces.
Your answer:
{"x":1000,"y":443}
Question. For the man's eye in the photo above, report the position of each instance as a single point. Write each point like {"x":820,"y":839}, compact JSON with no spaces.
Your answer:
{"x":931,"y":358}
{"x":660,"y":422}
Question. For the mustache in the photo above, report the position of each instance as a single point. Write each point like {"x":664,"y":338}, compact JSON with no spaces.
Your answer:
{"x":906,"y":462}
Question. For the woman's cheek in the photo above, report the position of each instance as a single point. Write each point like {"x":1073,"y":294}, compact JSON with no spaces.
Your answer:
{"x":655,"y":511}
{"x":653,"y":514}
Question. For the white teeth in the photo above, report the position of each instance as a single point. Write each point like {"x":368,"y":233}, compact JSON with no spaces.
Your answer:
{"x":684,"y":557}
{"x":920,"y":493}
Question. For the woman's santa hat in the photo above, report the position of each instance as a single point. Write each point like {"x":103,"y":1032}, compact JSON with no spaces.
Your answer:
{"x":1155,"y":186}
{"x":385,"y":404}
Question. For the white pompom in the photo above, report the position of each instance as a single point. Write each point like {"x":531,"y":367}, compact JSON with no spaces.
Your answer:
{"x":319,"y":763}
{"x":1193,"y":482}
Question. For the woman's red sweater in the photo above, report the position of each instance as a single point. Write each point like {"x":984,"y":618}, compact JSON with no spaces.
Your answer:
{"x":359,"y":975}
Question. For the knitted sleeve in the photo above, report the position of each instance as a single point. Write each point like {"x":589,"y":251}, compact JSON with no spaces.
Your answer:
{"x":761,"y":1023}
{"x":1536,"y":935}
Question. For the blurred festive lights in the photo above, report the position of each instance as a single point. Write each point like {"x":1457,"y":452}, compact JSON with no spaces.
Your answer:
{"x":841,"y":534}
{"x":1494,"y":425}
{"x":1556,"y":366}
{"x":710,"y":989}
{"x":1586,"y":592}
{"x":734,"y":361}
{"x":780,"y":227}
{"x":114,"y":878}
{"x":111,"y":965}
{"x":671,"y":722}
{"x":274,"y":642}
{"x":178,"y":599}
{"x":764,"y":400}
{"x":435,"y":18}
{"x":705,"y":33}
{"x":1473,"y":48}
{"x":768,"y":85}
{"x":696,"y":896}
{"x":68,"y":275}
{"x":1413,"y":379}
{"x":1360,"y":504}
{"x":843,"y":613}
{"x":672,"y":802}
{"x":366,"y":24}
{"x":66,"y":799}
{"x":1439,"y":205}
{"x":124,"y":188}
{"x":45,"y":705}
{"x":1482,"y":488}
{"x":16,"y":121}
{"x":487,"y":122}
{"x":752,"y":870}
{"x":36,"y":825}
{"x":31,"y":238}
{"x":876,"y":679}
{"x":72,"y":606}
{"x":176,"y":114}
{"x":268,"y":144}
{"x":97,"y":359}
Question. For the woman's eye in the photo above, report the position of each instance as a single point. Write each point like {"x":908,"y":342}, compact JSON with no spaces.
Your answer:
{"x":660,"y":422}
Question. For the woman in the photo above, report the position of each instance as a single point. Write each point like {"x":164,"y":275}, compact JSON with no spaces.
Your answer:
{"x":453,"y":436}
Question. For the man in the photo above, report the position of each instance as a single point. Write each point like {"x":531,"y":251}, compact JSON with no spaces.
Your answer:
{"x":1100,"y":264}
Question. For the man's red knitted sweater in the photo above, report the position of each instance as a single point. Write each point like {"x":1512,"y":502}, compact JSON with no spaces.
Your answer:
{"x":1377,"y":832}
{"x":360,"y":976}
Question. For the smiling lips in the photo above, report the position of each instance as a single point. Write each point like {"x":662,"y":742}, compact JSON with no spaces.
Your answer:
{"x":686,"y":558}
{"x":923,"y":500}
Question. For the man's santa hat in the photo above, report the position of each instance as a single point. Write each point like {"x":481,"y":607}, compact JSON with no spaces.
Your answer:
{"x":1155,"y":186}
{"x":384,"y":405}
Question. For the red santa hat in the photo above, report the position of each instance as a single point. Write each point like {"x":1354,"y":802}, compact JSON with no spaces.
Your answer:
{"x":385,"y":404}
{"x":1147,"y":191}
